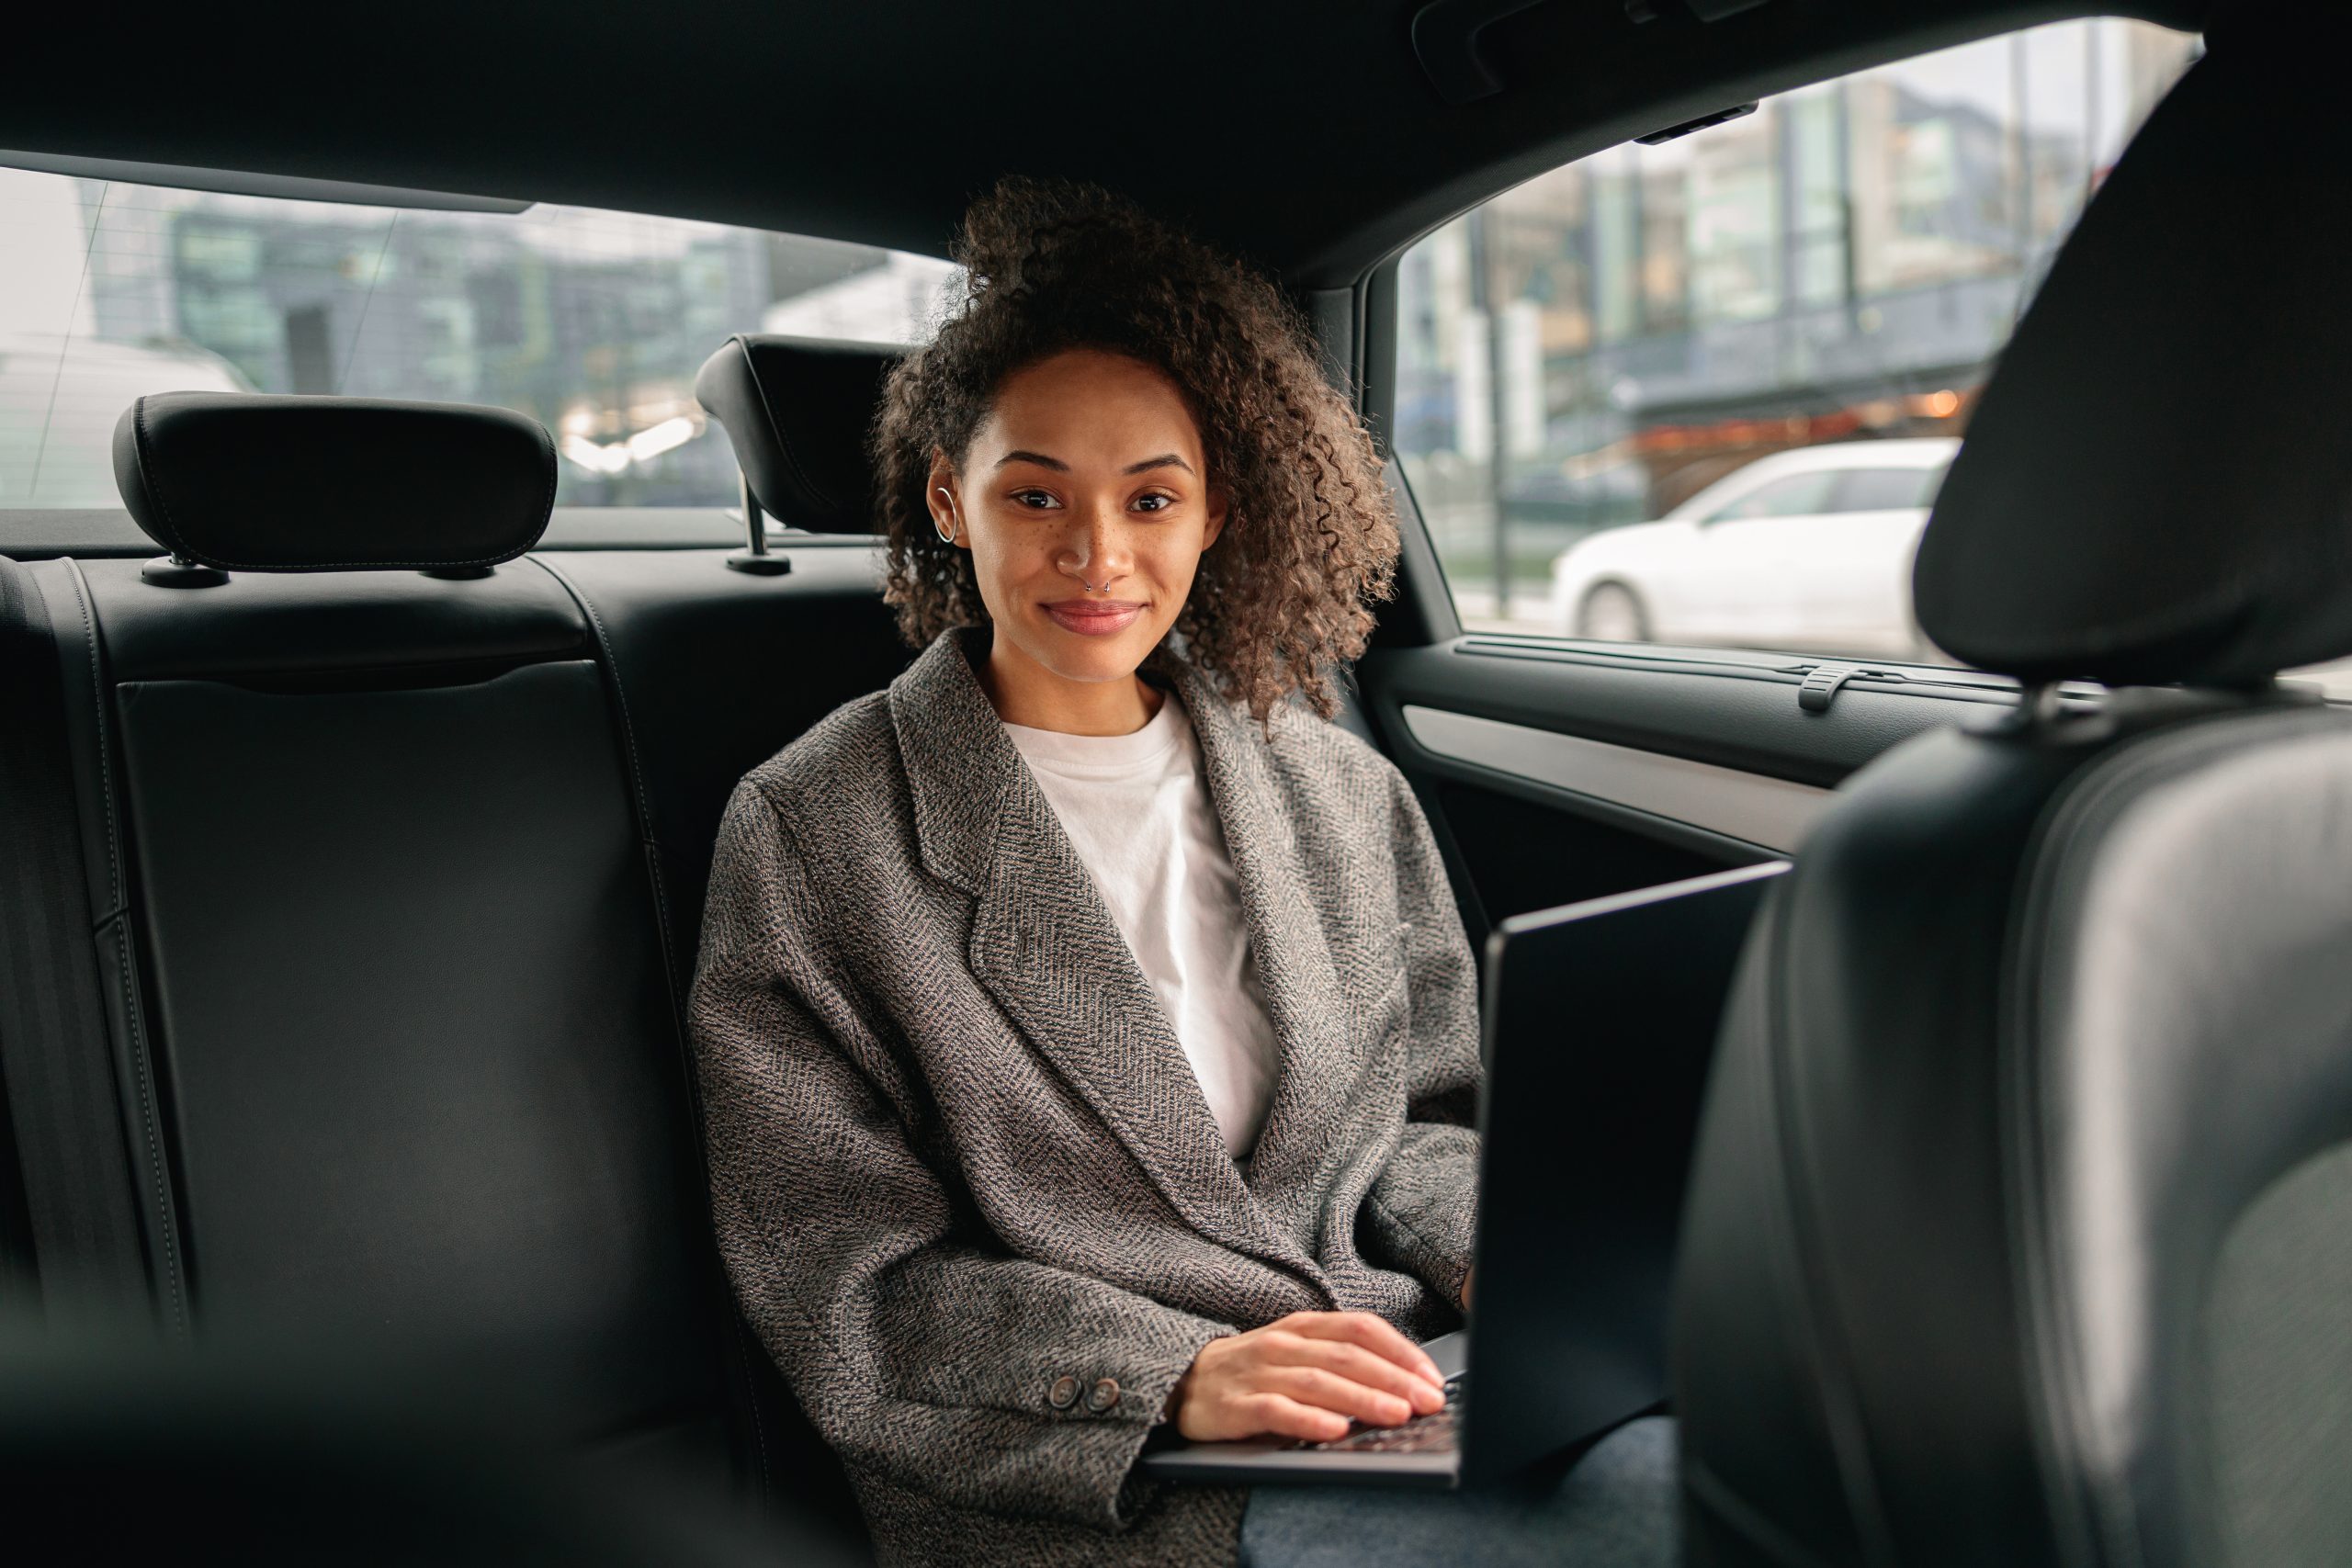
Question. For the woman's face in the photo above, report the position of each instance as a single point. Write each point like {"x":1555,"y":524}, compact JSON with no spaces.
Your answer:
{"x":1084,"y":502}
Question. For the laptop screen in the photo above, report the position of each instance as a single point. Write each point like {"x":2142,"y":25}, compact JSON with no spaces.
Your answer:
{"x":1599,"y":1024}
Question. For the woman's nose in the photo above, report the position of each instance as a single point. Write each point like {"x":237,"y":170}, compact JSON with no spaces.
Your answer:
{"x":1097,"y":542}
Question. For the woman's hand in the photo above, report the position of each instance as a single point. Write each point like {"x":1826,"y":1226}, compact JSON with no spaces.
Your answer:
{"x":1305,"y":1376}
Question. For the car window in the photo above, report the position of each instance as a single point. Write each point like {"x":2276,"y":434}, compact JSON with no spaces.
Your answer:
{"x":1798,"y":495}
{"x":1885,"y":490}
{"x":592,"y":322}
{"x":1839,"y":270}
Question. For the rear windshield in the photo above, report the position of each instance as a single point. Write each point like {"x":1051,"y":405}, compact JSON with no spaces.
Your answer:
{"x":592,"y":322}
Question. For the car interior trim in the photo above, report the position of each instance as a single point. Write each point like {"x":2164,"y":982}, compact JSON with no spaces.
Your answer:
{"x":244,"y":182}
{"x":100,"y":533}
{"x":1959,"y":684}
{"x":1757,"y":809}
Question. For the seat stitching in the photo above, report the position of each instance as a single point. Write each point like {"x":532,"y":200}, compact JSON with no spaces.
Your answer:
{"x":2045,"y":1347}
{"x":642,"y":803}
{"x":139,"y":1062}
{"x":2090,"y":802}
{"x":1815,"y":1318}
{"x":638,"y":797}
{"x":137,"y":1043}
{"x":105,"y":780}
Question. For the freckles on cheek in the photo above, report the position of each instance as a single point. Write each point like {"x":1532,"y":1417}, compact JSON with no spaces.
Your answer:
{"x":1001,"y":574}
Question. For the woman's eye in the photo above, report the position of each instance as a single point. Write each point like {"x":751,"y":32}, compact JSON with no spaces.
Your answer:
{"x":1036,"y":500}
{"x":1155,"y":502}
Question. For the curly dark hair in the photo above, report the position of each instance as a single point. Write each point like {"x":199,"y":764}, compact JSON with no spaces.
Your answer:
{"x":1310,"y":542}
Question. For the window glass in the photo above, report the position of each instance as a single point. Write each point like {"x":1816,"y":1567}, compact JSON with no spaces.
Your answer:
{"x":1584,"y":359}
{"x":592,"y":322}
{"x":1798,"y":495}
{"x":1885,"y":490}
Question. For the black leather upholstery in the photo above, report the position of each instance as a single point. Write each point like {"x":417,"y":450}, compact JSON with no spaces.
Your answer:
{"x":2018,"y":1232}
{"x":798,"y":411}
{"x":399,"y":881}
{"x":268,"y":483}
{"x":115,"y":1456}
{"x":336,"y":628}
{"x":405,"y":987}
{"x":2156,"y":486}
{"x":711,"y":669}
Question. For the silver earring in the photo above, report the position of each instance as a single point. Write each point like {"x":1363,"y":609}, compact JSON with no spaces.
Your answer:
{"x":948,"y":535}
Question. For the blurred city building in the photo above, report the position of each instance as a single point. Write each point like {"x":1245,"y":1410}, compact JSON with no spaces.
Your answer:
{"x":592,"y":322}
{"x":1596,"y":345}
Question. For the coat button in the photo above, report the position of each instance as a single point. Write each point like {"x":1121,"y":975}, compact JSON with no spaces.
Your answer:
{"x":1064,"y":1394}
{"x":1102,"y":1395}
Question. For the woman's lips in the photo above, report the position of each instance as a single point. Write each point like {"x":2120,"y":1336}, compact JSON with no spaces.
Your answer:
{"x":1094,"y":617}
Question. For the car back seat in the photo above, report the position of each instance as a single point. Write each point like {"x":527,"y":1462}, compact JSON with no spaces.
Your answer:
{"x":395,"y":839}
{"x":380,"y":869}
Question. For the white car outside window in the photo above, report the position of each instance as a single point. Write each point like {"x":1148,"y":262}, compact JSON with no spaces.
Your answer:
{"x":1808,"y":549}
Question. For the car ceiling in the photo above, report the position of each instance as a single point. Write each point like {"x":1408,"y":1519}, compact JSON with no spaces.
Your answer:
{"x":1305,"y":133}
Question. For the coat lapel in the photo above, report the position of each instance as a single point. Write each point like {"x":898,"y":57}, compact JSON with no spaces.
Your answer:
{"x":1314,"y":1034}
{"x":1044,"y":944}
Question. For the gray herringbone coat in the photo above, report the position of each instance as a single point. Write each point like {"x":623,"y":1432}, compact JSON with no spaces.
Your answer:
{"x":957,"y":1154}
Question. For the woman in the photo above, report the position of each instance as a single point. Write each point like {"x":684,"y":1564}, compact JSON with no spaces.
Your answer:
{"x":1087,"y":1033}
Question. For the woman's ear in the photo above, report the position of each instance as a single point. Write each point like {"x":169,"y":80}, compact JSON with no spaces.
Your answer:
{"x":945,"y":502}
{"x":1220,"y":503}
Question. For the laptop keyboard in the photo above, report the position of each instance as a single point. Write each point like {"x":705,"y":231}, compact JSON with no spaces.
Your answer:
{"x":1433,"y":1433}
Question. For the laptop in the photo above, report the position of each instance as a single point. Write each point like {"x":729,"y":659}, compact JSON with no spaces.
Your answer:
{"x":1599,"y":1023}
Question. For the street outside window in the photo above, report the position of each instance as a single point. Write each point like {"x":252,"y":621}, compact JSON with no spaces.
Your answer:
{"x":592,"y":322}
{"x":1701,"y":392}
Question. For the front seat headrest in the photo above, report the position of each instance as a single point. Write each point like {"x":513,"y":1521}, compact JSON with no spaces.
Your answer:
{"x":798,"y":410}
{"x":251,"y":483}
{"x":2157,"y":484}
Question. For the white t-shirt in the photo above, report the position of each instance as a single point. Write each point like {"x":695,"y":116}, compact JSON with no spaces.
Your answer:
{"x":1138,"y":809}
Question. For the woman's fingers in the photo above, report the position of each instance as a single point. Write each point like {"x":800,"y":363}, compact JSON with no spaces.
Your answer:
{"x":1327,"y":1390}
{"x":1307,"y":1377}
{"x":1285,"y":1418}
{"x":1360,"y":1366}
{"x":1371,"y":1333}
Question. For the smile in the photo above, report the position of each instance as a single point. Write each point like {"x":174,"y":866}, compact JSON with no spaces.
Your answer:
{"x":1094,"y":619}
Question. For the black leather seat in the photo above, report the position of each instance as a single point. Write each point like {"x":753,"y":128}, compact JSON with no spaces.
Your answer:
{"x":2021,"y":1226}
{"x":122,"y":1454}
{"x":395,"y":840}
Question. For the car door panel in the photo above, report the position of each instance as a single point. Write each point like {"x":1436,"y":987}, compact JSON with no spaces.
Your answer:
{"x":1555,"y":771}
{"x":1748,"y":809}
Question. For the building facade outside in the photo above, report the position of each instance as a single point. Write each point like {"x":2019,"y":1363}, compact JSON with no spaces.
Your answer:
{"x":1845,"y":263}
{"x":592,"y":322}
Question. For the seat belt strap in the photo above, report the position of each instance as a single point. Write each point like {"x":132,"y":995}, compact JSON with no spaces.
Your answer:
{"x":66,"y":1195}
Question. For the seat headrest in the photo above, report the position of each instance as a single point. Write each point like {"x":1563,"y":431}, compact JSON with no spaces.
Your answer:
{"x":798,"y":410}
{"x":2157,"y":483}
{"x":252,"y":483}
